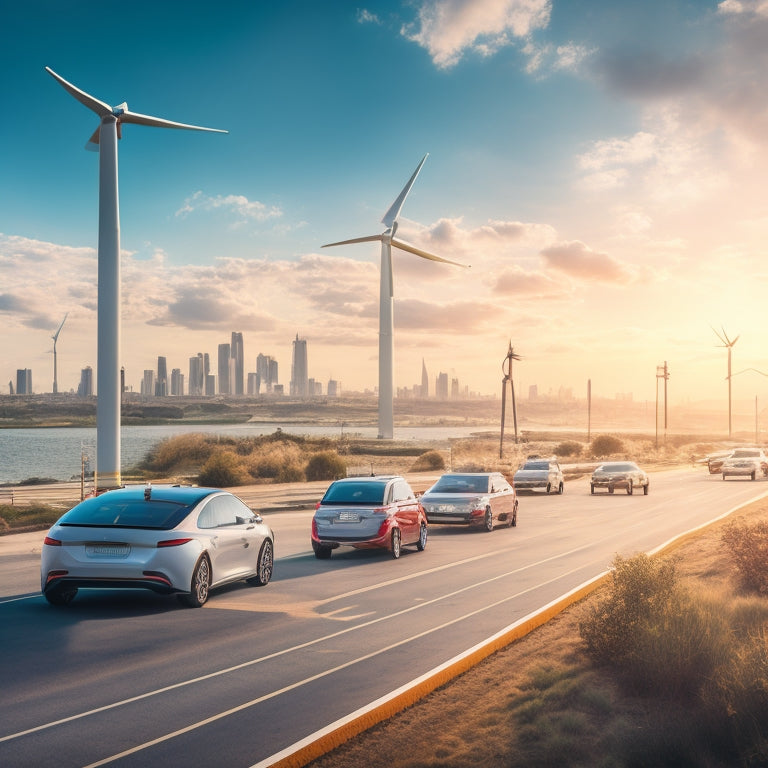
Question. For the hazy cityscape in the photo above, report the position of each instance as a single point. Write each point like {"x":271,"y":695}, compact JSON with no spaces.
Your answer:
{"x":226,"y":373}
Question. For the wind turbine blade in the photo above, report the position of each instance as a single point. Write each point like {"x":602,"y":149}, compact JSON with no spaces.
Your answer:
{"x":93,"y":142}
{"x":391,"y":216}
{"x":58,"y":331}
{"x":725,"y":343}
{"x":94,"y":104}
{"x":403,"y":246}
{"x":367,"y":239}
{"x":159,"y":122}
{"x":735,"y":340}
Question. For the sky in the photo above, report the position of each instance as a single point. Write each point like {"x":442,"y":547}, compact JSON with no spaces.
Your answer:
{"x":600,"y":166}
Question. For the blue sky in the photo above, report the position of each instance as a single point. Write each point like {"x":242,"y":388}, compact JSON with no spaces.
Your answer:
{"x":600,"y":165}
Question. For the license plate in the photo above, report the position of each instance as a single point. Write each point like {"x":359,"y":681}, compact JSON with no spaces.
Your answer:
{"x":349,"y":517}
{"x":107,"y":550}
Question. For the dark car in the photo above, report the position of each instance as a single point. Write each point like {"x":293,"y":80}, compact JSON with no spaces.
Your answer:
{"x":368,"y":513}
{"x":619,"y":474}
{"x":471,"y":498}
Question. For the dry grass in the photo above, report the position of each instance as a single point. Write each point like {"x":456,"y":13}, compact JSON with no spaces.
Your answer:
{"x":543,"y":702}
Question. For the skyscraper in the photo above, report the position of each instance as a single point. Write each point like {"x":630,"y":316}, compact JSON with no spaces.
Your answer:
{"x":424,"y":379}
{"x":299,"y":375}
{"x":85,"y":387}
{"x":23,"y":381}
{"x":177,"y":382}
{"x":161,"y":382}
{"x":196,"y":375}
{"x":224,"y":382}
{"x":236,"y":353}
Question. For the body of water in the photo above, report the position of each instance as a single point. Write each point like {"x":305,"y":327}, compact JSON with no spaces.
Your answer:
{"x":56,"y":452}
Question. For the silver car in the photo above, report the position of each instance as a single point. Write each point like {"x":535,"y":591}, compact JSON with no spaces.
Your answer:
{"x":745,"y":462}
{"x":539,"y":475}
{"x":619,"y":474}
{"x":168,"y":539}
{"x":471,"y":498}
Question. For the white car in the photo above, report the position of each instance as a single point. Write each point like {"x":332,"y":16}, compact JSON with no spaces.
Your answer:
{"x":745,"y":462}
{"x":539,"y":474}
{"x":168,"y":539}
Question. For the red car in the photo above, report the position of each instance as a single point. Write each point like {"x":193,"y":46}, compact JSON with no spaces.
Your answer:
{"x":368,"y":513}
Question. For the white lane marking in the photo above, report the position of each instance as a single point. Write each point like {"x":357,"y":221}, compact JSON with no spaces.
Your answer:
{"x":283,"y":652}
{"x":319,"y":675}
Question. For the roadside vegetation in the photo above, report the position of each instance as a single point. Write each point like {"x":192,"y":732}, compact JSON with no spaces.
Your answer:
{"x":665,"y":665}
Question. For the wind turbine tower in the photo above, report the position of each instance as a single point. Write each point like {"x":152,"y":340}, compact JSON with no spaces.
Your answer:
{"x":55,"y":338}
{"x":728,"y":344}
{"x":104,"y":141}
{"x":386,"y":301}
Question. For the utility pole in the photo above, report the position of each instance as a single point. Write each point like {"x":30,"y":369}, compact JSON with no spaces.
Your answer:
{"x":662,"y":372}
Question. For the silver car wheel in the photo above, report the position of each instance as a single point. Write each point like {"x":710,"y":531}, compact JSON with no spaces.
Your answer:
{"x":488,"y":520}
{"x":421,"y":545}
{"x":396,"y":543}
{"x":264,"y":565}
{"x":201,"y":582}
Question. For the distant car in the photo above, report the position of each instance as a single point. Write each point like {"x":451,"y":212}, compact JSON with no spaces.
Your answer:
{"x":745,"y":462}
{"x":715,"y":462}
{"x":539,"y":474}
{"x":471,"y":498}
{"x":368,"y":513}
{"x":619,"y":474}
{"x":169,"y":539}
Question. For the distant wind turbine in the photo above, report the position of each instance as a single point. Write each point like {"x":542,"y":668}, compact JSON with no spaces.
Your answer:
{"x":104,"y":141}
{"x":728,"y":344}
{"x":55,"y":338}
{"x":386,"y":301}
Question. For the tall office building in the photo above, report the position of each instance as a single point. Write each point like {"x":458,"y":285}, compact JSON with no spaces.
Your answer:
{"x":148,"y":383}
{"x":196,"y":375}
{"x":424,"y":379}
{"x":210,"y":385}
{"x":177,"y":382}
{"x":334,"y":388}
{"x":161,"y":382}
{"x":299,"y":375}
{"x":441,"y":386}
{"x":85,"y":387}
{"x":236,"y":384}
{"x":252,"y":384}
{"x":224,"y":382}
{"x":266,"y":368}
{"x":23,"y":381}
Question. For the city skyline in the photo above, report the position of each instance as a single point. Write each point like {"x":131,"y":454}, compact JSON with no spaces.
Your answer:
{"x":601,"y":167}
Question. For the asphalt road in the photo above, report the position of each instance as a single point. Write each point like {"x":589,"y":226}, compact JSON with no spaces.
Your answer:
{"x":133,"y":679}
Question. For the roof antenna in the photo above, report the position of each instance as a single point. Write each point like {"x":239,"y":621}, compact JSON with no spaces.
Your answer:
{"x":148,"y":492}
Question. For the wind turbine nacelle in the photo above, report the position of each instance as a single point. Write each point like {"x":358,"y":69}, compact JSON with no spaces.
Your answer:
{"x":120,"y":109}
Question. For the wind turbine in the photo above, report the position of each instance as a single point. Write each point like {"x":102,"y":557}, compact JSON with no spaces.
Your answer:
{"x":104,"y":141}
{"x":55,"y":338}
{"x":507,"y":371}
{"x":729,"y":345}
{"x":386,"y":300}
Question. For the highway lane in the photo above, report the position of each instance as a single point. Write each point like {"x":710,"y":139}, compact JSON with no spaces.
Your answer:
{"x":132,"y":679}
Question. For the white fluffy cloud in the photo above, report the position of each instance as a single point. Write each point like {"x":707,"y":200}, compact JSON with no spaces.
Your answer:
{"x":448,"y":29}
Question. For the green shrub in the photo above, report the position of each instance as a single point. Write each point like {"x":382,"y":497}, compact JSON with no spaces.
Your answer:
{"x":428,"y":462}
{"x":748,"y":547}
{"x":326,"y":465}
{"x":606,"y":445}
{"x":568,"y":448}
{"x":222,"y":470}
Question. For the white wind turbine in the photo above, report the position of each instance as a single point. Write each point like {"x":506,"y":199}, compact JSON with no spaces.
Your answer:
{"x":728,"y":344}
{"x":386,"y":301}
{"x":104,"y":141}
{"x":55,"y":338}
